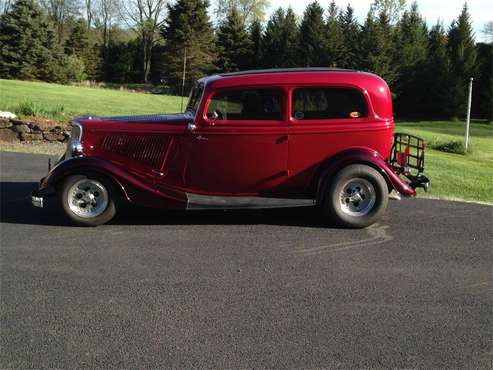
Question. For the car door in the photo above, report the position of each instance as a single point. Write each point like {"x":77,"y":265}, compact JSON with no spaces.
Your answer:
{"x":240,"y":144}
{"x":324,"y":121}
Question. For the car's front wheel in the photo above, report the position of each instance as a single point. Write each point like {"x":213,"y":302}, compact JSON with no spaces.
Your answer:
{"x":357,"y":197}
{"x":87,"y":200}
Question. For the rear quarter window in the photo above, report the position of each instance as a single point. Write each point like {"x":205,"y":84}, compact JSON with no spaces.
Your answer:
{"x":315,"y":103}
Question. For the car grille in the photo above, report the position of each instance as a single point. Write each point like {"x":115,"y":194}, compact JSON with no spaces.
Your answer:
{"x":149,"y":150}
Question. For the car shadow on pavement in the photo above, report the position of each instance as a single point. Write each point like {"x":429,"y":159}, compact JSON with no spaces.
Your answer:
{"x":16,"y":208}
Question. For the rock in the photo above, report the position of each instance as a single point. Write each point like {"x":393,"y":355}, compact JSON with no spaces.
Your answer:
{"x":54,"y":136}
{"x":32,"y":137}
{"x":42,"y":125}
{"x":21,"y":129}
{"x":36,"y":128}
{"x":8,"y":135}
{"x":5,"y":123}
{"x":17,"y":122}
{"x":7,"y":115}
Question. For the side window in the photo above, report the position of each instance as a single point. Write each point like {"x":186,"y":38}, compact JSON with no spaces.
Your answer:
{"x":251,"y":104}
{"x":328,"y":103}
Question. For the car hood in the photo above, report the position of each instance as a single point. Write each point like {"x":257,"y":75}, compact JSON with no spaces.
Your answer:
{"x":151,"y":118}
{"x":175,"y":118}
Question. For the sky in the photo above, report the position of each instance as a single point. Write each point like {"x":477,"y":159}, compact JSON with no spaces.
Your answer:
{"x":432,"y":10}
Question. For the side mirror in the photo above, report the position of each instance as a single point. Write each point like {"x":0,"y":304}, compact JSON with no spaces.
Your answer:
{"x":214,"y":116}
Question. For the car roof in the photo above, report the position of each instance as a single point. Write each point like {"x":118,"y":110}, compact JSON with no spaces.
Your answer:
{"x":285,"y":70}
{"x":289,"y":76}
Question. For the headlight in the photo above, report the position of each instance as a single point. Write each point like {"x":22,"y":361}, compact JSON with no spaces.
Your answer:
{"x":74,"y":147}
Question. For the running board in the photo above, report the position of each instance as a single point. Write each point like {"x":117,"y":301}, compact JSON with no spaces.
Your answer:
{"x":196,"y":202}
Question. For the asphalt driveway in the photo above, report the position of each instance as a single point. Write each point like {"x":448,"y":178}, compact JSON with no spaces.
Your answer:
{"x":263,"y":289}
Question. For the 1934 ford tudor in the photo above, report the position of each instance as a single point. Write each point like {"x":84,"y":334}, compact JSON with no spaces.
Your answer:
{"x":256,"y":139}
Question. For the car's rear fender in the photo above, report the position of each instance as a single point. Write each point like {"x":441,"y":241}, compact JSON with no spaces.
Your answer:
{"x":360,"y":156}
{"x":132,"y":187}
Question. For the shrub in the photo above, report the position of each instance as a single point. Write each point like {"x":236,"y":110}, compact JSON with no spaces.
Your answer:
{"x":76,"y":69}
{"x":29,"y":108}
{"x":455,"y":146}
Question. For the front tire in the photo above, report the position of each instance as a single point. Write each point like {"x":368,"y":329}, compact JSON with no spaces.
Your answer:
{"x":87,"y":200}
{"x":356,"y":198}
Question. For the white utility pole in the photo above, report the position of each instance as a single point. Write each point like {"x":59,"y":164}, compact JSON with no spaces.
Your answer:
{"x":184,"y":77}
{"x":468,"y":119}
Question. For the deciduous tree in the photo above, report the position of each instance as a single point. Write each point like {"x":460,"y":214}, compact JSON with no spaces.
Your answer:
{"x":249,"y":10}
{"x":59,"y":12}
{"x":146,"y":17}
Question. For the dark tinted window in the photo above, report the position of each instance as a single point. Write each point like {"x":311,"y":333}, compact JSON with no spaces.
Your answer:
{"x":254,"y":104}
{"x":326,"y":103}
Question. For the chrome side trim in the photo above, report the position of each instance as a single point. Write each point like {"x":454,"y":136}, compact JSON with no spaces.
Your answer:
{"x":196,"y":202}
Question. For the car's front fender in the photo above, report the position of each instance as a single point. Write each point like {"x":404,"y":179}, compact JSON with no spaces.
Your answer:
{"x":132,"y":187}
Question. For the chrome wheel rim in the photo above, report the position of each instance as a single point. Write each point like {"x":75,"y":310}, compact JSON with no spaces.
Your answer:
{"x":88,"y":198}
{"x":357,"y":197}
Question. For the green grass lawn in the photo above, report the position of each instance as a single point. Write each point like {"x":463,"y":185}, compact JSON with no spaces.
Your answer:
{"x":456,"y":176}
{"x":62,"y":102}
{"x":453,"y":176}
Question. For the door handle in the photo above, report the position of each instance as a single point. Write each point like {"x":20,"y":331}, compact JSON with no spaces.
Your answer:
{"x":201,"y":138}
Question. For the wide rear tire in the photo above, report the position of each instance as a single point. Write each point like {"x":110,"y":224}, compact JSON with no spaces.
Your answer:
{"x":87,"y":200}
{"x":356,"y":197}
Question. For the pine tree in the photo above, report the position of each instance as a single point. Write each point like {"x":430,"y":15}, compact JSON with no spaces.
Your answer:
{"x":463,"y":56}
{"x":377,"y":46}
{"x":78,"y":39}
{"x":280,"y":40}
{"x":80,"y":44}
{"x":234,"y":44}
{"x":28,"y":47}
{"x":436,"y":81}
{"x":312,"y":40}
{"x":350,"y":32}
{"x":187,"y":26}
{"x":411,"y":53}
{"x":290,"y":34}
{"x":256,"y":45}
{"x":334,"y":37}
{"x":483,"y":94}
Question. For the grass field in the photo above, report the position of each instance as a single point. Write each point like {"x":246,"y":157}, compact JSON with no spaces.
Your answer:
{"x":61,"y":102}
{"x":456,"y":176}
{"x":453,"y":176}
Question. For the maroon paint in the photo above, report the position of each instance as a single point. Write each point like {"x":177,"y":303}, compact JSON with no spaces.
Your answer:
{"x":238,"y":157}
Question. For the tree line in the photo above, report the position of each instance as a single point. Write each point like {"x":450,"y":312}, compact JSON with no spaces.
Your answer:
{"x":428,"y":69}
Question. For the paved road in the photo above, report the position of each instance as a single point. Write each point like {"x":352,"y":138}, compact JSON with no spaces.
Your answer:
{"x":264,"y":289}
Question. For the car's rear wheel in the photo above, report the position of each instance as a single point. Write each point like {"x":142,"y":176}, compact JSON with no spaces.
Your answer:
{"x":357,"y":197}
{"x":88,"y":200}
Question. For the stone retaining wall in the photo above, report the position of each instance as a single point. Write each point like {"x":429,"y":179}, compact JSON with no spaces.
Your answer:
{"x":16,"y":130}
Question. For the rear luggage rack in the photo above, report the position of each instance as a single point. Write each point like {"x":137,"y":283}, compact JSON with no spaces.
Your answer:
{"x":408,"y":154}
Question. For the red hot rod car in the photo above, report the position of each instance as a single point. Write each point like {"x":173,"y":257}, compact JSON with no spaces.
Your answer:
{"x":255,"y":139}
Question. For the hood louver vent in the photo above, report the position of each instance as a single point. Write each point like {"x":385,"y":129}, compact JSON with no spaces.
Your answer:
{"x":146,"y":149}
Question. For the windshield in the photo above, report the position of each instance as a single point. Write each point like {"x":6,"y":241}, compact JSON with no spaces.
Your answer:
{"x":194,"y":99}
